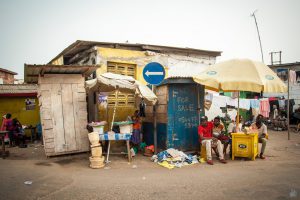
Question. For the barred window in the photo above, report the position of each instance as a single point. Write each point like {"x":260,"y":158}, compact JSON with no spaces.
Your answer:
{"x":124,"y":99}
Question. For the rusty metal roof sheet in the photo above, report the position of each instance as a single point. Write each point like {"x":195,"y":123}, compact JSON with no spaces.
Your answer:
{"x":32,"y":72}
{"x":81,"y":45}
{"x":8,"y":71}
{"x":18,"y":88}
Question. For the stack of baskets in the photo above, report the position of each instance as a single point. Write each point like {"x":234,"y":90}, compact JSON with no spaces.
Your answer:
{"x":96,"y":160}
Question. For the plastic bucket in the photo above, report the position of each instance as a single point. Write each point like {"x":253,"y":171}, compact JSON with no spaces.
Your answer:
{"x":126,"y":128}
{"x":99,"y":129}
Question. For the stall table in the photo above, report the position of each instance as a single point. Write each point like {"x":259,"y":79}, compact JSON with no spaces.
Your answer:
{"x":244,"y":145}
{"x":33,"y":134}
{"x":116,"y":137}
{"x":3,"y":152}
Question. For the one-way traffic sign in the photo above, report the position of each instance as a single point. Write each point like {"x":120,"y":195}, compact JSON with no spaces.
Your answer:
{"x":154,"y":73}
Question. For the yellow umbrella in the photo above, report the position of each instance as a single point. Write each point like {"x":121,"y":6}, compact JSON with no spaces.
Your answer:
{"x":240,"y":75}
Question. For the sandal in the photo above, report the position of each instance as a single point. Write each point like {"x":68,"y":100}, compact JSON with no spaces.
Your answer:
{"x":210,"y":162}
{"x":223,"y":161}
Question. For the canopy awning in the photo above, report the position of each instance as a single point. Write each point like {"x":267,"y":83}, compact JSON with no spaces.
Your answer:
{"x":109,"y":82}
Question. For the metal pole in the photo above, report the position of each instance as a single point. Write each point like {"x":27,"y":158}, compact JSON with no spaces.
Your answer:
{"x":238,"y":115}
{"x":271,"y":58}
{"x":279,"y":57}
{"x":288,"y":106}
{"x":198,"y":106}
{"x":154,"y":124}
{"x":262,"y":55}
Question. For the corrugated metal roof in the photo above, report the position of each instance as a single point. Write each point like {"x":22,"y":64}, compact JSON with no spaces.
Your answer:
{"x":18,"y":88}
{"x":8,"y":71}
{"x":32,"y":72}
{"x":285,"y":64}
{"x":185,"y":71}
{"x":81,"y":45}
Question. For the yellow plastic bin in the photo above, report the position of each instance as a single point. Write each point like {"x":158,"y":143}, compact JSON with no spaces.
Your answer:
{"x":244,"y":145}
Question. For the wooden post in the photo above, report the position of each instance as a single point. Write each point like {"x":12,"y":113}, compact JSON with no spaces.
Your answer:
{"x":114,"y":113}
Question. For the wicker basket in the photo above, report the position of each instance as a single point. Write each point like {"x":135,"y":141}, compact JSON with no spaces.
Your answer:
{"x":94,"y":138}
{"x":96,"y":162}
{"x":96,"y":151}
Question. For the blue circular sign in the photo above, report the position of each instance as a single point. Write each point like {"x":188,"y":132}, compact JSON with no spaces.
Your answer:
{"x":154,"y":73}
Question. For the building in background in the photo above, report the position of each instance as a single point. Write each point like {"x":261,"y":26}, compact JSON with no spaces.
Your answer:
{"x":21,"y":102}
{"x":6,"y":76}
{"x":294,"y":85}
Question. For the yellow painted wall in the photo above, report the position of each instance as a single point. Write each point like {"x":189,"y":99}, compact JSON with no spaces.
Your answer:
{"x":139,"y":58}
{"x":16,"y":107}
{"x":124,"y":56}
{"x":58,"y":61}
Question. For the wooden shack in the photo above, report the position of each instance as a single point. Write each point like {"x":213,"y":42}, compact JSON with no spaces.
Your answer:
{"x":180,"y":104}
{"x":63,"y":106}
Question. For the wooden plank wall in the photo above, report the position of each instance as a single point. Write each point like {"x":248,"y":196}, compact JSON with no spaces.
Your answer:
{"x":63,"y":113}
{"x":161,"y":108}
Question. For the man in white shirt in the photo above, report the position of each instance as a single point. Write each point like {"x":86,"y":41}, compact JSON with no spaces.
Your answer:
{"x":261,"y":128}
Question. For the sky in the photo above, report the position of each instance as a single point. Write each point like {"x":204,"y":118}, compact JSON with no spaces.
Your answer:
{"x":35,"y":31}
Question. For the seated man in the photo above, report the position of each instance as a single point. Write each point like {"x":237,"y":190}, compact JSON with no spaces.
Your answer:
{"x":219,"y":133}
{"x":232,"y":126}
{"x":232,"y":129}
{"x":19,"y":134}
{"x":261,"y":128}
{"x":206,"y":139}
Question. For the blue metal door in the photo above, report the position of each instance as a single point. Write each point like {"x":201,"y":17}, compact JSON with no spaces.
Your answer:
{"x":183,"y":117}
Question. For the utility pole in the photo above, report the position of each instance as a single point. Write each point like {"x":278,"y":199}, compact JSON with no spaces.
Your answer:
{"x":262,"y":55}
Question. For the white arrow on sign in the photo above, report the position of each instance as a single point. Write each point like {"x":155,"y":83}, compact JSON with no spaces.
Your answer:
{"x":154,"y":73}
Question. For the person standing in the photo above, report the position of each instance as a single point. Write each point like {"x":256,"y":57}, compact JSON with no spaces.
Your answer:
{"x":261,"y":128}
{"x":10,"y":128}
{"x":206,"y":138}
{"x":135,"y":137}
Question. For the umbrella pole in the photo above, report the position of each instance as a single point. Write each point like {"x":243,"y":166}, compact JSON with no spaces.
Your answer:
{"x":238,"y":114}
{"x":114,"y":113}
{"x":288,"y":105}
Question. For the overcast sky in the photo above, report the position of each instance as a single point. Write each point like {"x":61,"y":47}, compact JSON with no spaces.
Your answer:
{"x":35,"y":31}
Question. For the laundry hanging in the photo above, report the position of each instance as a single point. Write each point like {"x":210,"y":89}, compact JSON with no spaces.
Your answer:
{"x":264,"y":107}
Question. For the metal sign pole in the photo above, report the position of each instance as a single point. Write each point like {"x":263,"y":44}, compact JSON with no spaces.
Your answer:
{"x":154,"y":73}
{"x":154,"y":124}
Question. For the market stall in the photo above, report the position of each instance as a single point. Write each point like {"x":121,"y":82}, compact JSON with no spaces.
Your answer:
{"x":110,"y":83}
{"x":240,"y":75}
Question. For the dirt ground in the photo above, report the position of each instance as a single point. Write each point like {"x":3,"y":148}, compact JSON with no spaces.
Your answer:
{"x":69,"y":177}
